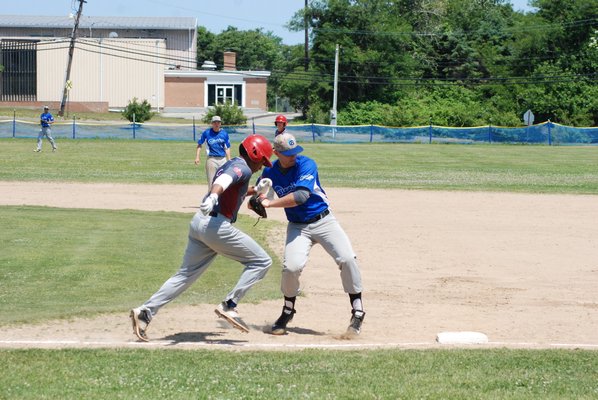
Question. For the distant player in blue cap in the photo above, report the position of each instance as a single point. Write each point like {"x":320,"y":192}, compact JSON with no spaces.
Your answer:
{"x":46,"y":119}
{"x":218,"y":148}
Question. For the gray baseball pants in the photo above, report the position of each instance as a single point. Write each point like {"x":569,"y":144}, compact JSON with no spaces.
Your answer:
{"x":208,"y":237}
{"x":47,"y":132}
{"x":328,"y":233}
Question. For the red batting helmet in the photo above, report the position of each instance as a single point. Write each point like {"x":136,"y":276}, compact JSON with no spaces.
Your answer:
{"x":281,"y":118}
{"x":258,"y":149}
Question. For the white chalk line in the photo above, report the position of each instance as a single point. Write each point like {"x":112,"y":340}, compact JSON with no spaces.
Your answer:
{"x":171,"y":344}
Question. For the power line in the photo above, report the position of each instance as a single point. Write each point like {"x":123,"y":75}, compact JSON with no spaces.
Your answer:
{"x":166,"y":60}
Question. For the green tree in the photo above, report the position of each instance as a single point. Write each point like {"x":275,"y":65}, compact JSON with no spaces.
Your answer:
{"x":460,"y":62}
{"x":574,"y":22}
{"x":206,"y":47}
{"x":255,"y":50}
{"x":571,"y":102}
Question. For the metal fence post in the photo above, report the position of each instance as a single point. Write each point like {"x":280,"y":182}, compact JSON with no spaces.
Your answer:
{"x":133,"y":125}
{"x":549,"y":135}
{"x":74,"y":126}
{"x":371,"y":133}
{"x":430,"y":132}
{"x":313,"y":133}
{"x":489,"y":133}
{"x":194,"y":128}
{"x":253,"y":124}
{"x":14,"y":123}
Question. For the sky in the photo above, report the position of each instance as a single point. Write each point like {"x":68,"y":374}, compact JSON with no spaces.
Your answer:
{"x":216,"y":16}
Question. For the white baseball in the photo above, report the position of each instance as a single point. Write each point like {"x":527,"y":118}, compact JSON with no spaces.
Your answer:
{"x":264,"y":185}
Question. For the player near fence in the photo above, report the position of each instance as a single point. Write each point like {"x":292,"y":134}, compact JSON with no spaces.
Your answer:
{"x":211,"y":232}
{"x":46,"y":120}
{"x":281,"y":124}
{"x":295,"y":180}
{"x":218,"y":148}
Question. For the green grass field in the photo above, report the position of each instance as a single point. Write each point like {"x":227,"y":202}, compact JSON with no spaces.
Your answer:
{"x":307,"y":374}
{"x":28,"y":114}
{"x":59,"y":263}
{"x":535,"y":169}
{"x":63,"y":263}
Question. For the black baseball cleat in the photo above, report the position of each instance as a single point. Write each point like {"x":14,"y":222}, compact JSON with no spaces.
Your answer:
{"x":140,"y":319}
{"x":280,"y":326}
{"x":357,"y":317}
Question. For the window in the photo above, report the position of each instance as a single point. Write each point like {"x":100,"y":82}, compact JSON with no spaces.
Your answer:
{"x":19,"y":79}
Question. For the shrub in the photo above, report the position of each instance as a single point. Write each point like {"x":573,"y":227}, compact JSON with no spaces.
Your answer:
{"x":141,"y":111}
{"x":231,"y":114}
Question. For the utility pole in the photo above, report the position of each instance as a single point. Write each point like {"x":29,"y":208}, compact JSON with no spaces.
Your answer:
{"x":67,"y":85}
{"x":306,"y":61}
{"x":335,"y":95}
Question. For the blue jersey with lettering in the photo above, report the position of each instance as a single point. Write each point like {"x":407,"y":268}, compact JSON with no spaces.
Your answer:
{"x":216,"y":142}
{"x":45,"y":118}
{"x":231,"y":199}
{"x":304,"y":174}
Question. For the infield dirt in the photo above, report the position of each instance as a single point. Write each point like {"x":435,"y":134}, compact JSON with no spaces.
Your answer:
{"x":521,"y":268}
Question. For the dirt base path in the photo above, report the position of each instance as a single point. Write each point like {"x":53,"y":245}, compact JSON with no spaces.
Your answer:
{"x":520,"y":268}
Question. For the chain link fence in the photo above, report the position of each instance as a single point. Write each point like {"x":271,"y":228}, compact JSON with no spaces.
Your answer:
{"x":547,"y":133}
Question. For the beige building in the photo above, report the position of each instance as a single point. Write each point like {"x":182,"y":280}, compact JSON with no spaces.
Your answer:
{"x":115,"y":60}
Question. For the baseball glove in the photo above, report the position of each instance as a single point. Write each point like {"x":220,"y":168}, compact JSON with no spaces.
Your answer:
{"x":255,"y":203}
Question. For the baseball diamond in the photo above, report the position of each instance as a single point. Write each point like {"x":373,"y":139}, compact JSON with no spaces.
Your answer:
{"x":433,"y":261}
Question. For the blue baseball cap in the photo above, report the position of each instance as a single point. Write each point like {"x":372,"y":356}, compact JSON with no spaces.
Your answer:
{"x":286,"y":145}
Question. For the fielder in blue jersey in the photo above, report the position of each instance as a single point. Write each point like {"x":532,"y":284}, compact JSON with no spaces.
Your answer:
{"x":211,"y":232}
{"x":295,"y":180}
{"x":46,"y":120}
{"x":218,"y":148}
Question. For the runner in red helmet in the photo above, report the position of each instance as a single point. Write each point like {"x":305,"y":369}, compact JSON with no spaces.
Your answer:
{"x":281,"y":124}
{"x":212,"y":232}
{"x":258,"y":149}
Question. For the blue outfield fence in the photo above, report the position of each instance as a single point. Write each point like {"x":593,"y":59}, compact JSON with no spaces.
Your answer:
{"x":547,"y":133}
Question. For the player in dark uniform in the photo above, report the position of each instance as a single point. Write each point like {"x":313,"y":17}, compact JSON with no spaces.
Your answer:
{"x":211,"y":232}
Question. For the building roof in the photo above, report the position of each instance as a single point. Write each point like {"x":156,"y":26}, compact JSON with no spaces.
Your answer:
{"x":165,"y":23}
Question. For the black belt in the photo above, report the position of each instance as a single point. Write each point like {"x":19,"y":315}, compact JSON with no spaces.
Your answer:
{"x":213,"y":214}
{"x":318,"y":217}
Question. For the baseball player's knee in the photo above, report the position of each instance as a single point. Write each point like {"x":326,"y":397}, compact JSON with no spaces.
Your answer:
{"x":267,"y":261}
{"x":346,"y":262}
{"x":290,"y":267}
{"x":291,"y":271}
{"x":262,"y":262}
